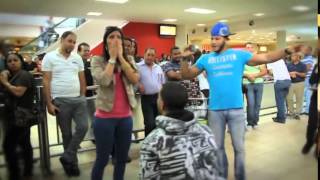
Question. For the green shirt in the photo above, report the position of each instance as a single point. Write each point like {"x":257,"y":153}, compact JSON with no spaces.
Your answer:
{"x":252,"y":70}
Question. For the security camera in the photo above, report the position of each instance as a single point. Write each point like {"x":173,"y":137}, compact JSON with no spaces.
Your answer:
{"x":251,"y":22}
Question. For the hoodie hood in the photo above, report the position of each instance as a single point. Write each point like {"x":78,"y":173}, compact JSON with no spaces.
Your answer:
{"x":176,"y":123}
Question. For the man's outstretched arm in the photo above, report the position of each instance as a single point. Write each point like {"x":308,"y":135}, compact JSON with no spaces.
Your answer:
{"x":273,"y":56}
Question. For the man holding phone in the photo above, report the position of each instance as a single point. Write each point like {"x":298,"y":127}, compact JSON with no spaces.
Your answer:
{"x":64,"y":88}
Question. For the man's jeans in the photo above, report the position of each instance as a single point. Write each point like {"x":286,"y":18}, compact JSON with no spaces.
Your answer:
{"x":307,"y":95}
{"x":236,"y":123}
{"x":281,"y":90}
{"x":76,"y":109}
{"x":254,"y":97}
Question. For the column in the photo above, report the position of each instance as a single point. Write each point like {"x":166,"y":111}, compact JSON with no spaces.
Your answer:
{"x":181,"y":37}
{"x":281,"y":39}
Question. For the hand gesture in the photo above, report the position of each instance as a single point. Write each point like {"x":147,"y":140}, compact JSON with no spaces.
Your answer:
{"x":113,"y":50}
{"x":141,"y":89}
{"x":120,"y":49}
{"x":52,"y":109}
{"x":251,"y":78}
{"x":293,"y":74}
{"x":295,"y":48}
{"x":4,"y":76}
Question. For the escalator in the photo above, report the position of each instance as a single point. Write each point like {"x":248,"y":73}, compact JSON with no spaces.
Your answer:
{"x":50,"y":35}
{"x":87,"y":30}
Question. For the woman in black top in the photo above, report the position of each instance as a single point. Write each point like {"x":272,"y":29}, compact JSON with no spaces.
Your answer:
{"x":19,"y":88}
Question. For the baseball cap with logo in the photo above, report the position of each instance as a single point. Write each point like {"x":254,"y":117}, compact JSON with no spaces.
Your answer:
{"x":221,"y":29}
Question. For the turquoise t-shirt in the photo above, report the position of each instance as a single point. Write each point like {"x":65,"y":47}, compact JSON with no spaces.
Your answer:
{"x":224,"y":72}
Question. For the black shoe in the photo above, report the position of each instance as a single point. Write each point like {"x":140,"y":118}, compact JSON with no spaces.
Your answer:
{"x":114,"y":161}
{"x":278,"y":121}
{"x":28,"y":174}
{"x":93,"y":141}
{"x":297,"y":117}
{"x":14,"y":176}
{"x":129,"y":160}
{"x":66,"y":166}
{"x":306,"y":148}
{"x":75,"y":171}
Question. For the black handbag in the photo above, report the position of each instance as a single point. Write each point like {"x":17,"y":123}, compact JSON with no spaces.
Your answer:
{"x":25,"y":117}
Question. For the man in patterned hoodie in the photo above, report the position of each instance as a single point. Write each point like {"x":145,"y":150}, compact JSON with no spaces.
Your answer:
{"x":180,"y":147}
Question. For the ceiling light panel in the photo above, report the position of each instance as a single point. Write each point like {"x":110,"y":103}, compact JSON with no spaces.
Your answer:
{"x":199,"y":11}
{"x":114,"y":1}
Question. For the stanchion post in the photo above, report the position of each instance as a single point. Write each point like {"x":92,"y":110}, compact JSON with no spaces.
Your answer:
{"x":43,"y":133}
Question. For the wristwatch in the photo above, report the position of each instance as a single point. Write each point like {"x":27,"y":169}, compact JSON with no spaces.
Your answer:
{"x":112,"y":61}
{"x":287,"y":51}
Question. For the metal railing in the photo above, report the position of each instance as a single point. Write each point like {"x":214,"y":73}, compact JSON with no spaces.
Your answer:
{"x":44,"y":144}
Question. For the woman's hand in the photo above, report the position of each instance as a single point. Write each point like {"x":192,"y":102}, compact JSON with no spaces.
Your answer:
{"x":4,"y":76}
{"x":113,"y":50}
{"x":120,"y":49}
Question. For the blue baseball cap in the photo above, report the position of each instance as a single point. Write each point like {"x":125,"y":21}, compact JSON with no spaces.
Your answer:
{"x":221,"y":29}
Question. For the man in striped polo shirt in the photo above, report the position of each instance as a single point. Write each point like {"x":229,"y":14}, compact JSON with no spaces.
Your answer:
{"x":309,"y":62}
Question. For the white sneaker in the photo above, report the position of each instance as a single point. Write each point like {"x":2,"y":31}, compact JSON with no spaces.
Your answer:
{"x":248,"y":128}
{"x":255,"y":127}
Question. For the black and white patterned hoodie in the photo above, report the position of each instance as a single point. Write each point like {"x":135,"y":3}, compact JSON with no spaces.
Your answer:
{"x":179,"y":149}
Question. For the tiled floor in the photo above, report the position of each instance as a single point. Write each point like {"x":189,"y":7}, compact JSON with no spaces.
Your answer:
{"x":272,"y":153}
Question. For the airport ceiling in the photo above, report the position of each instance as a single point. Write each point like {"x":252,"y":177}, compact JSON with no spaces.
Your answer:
{"x":277,"y":14}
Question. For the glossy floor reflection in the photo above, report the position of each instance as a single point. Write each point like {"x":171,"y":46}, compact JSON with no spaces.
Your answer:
{"x":272,"y":153}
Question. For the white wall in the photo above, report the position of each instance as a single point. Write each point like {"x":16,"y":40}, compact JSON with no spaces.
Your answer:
{"x":7,"y":30}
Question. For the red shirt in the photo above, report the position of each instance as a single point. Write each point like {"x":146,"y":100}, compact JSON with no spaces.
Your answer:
{"x":121,"y":107}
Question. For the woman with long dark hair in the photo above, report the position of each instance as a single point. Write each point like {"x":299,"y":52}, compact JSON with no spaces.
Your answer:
{"x":19,"y":87}
{"x":115,"y":74}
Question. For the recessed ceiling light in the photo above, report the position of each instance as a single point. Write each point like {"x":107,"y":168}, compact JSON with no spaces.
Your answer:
{"x":114,"y":1}
{"x":300,"y":8}
{"x":259,"y":14}
{"x":199,"y":11}
{"x":170,"y":20}
{"x":201,"y":25}
{"x":94,"y":13}
{"x":224,"y":20}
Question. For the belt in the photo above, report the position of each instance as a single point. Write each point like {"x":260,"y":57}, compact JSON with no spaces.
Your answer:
{"x":150,"y":95}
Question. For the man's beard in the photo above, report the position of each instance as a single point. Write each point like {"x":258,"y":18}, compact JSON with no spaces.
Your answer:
{"x":68,"y":51}
{"x":221,"y":48}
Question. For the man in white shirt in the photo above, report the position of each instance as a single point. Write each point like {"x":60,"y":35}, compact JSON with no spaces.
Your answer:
{"x":64,"y":88}
{"x":151,"y":80}
{"x":282,"y":83}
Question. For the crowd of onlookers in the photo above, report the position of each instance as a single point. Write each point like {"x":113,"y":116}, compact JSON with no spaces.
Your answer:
{"x":116,"y":89}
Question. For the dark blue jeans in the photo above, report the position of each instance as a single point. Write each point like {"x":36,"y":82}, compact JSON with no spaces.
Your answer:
{"x":254,"y":98}
{"x":109,"y":133}
{"x":281,"y":90}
